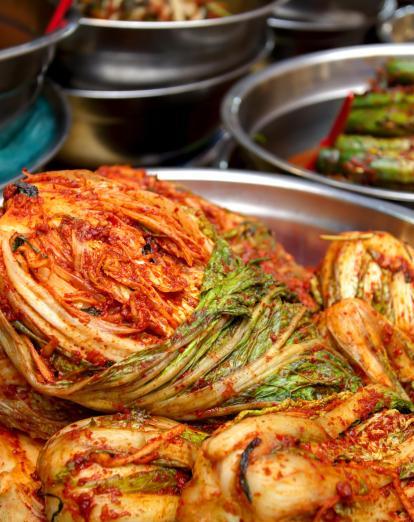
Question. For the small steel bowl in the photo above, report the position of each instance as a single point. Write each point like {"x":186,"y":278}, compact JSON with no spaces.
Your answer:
{"x":398,"y":28}
{"x":109,"y":54}
{"x":302,"y":27}
{"x":25,"y":52}
{"x":290,"y":107}
{"x":148,"y":126}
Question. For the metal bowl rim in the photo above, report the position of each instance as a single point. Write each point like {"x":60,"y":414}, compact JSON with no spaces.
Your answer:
{"x":250,"y":177}
{"x":174,"y":89}
{"x":232,"y":100}
{"x":389,"y":8}
{"x":385,"y":28}
{"x":181,"y":24}
{"x":72,"y":22}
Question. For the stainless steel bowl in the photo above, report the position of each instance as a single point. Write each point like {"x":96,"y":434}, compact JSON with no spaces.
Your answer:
{"x":293,"y":105}
{"x":24,"y":52}
{"x":398,"y":28}
{"x":107,"y":54}
{"x":298,"y":211}
{"x":302,"y":27}
{"x":149,"y":126}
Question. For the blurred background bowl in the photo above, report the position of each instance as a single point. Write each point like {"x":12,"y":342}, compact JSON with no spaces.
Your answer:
{"x":33,"y":138}
{"x":399,"y":28}
{"x":25,"y":52}
{"x":111,"y":54}
{"x":288,"y":108}
{"x":303,"y":26}
{"x":149,"y":126}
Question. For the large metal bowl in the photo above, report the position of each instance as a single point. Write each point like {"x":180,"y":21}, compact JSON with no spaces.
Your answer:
{"x":293,"y":105}
{"x":302,"y":27}
{"x":108,"y":54}
{"x":398,"y":28}
{"x":298,"y":211}
{"x":148,"y":126}
{"x":24,"y":52}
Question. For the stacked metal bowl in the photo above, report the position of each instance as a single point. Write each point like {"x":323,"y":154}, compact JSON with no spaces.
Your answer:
{"x":286,"y":110}
{"x":148,"y":92}
{"x":33,"y":115}
{"x":25,"y":52}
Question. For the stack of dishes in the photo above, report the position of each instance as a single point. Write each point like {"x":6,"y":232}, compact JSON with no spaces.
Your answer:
{"x":148,"y":92}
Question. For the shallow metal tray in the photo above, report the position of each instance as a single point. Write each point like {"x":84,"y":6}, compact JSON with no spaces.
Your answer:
{"x":294,"y":103}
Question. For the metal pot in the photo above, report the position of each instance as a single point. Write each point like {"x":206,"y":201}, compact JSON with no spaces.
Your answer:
{"x":149,"y":126}
{"x":399,"y":28}
{"x":302,"y":27}
{"x":108,"y":54}
{"x":290,"y":107}
{"x":24,"y":52}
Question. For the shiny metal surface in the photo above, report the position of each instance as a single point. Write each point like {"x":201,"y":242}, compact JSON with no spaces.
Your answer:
{"x":302,"y":27}
{"x":108,"y":55}
{"x":398,"y":28}
{"x":294,"y":103}
{"x":146,"y":127}
{"x":297,"y":210}
{"x":24,"y":52}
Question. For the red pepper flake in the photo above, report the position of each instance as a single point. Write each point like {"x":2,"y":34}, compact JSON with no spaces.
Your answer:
{"x":200,"y":383}
{"x":85,"y":504}
{"x":113,"y":493}
{"x":42,"y":228}
{"x":9,"y":191}
{"x":78,"y":462}
{"x":386,"y":334}
{"x":344,"y":489}
{"x":108,"y":514}
{"x":228,"y":391}
{"x":7,"y":310}
{"x":367,"y":404}
{"x":182,"y":477}
{"x":96,"y":358}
